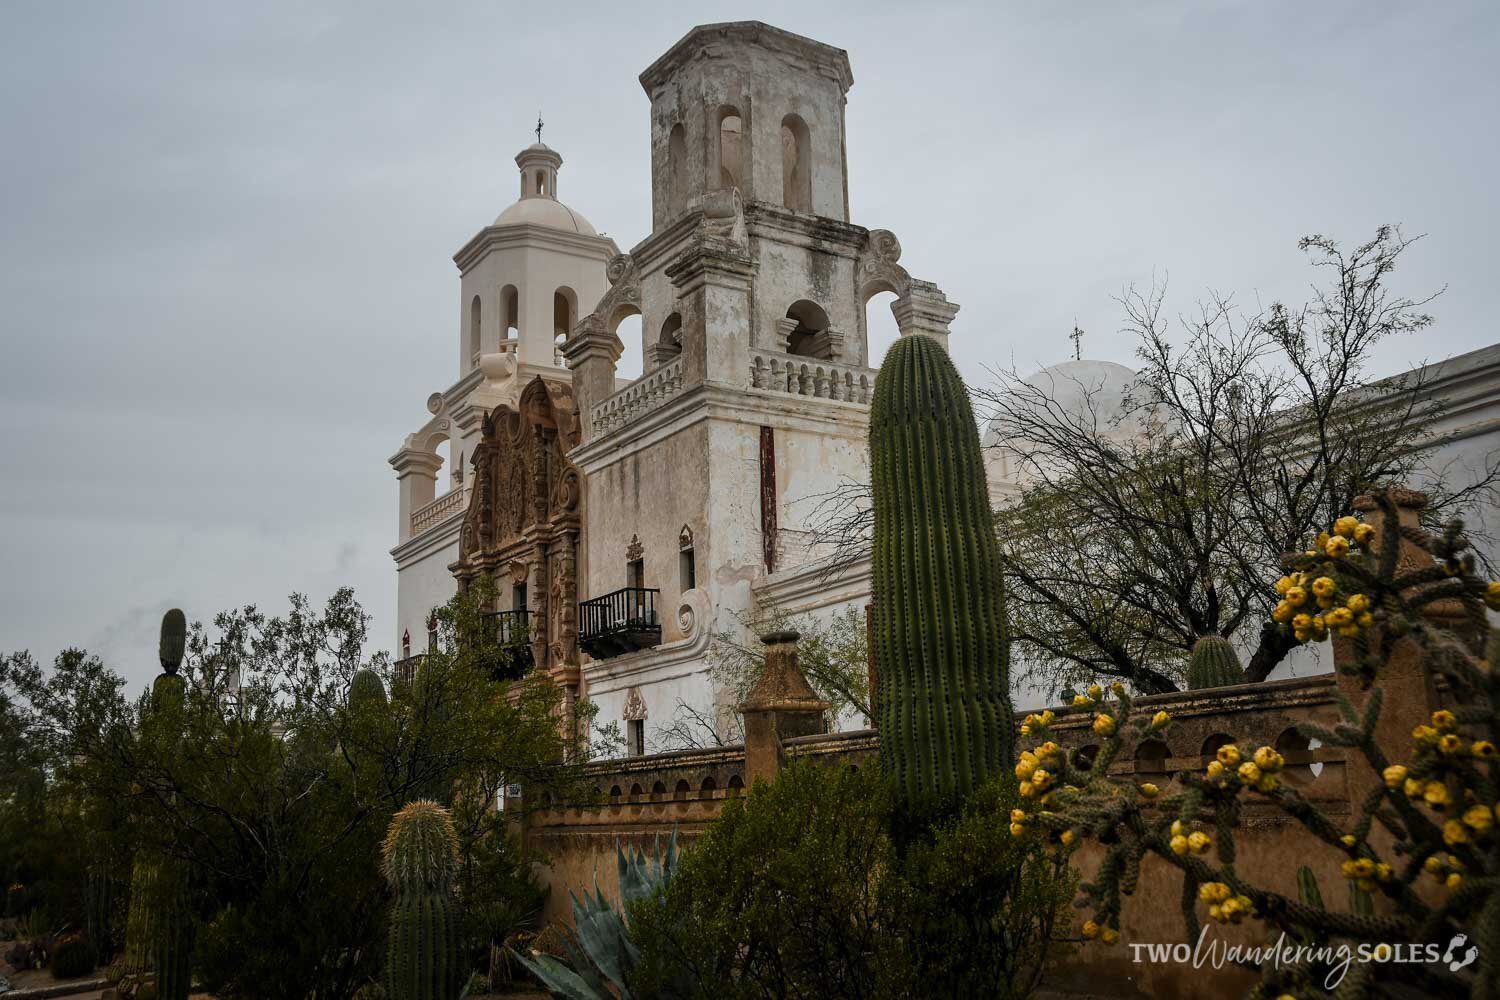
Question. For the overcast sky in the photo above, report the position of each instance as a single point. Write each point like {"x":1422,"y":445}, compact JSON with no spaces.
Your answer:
{"x":226,"y":231}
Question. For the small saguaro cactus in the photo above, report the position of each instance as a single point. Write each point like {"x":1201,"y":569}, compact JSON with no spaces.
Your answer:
{"x":939,"y":627}
{"x":173,"y":640}
{"x":420,"y":860}
{"x":1213,"y":664}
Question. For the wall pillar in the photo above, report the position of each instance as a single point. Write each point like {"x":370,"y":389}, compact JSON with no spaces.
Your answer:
{"x":592,"y":353}
{"x":924,"y":310}
{"x":713,"y":279}
{"x":416,"y":472}
{"x":781,"y":705}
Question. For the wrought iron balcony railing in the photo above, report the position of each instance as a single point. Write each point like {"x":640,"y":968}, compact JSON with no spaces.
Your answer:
{"x":512,"y":634}
{"x":621,"y":622}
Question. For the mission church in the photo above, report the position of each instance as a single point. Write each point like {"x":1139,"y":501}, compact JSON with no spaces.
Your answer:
{"x":625,"y":521}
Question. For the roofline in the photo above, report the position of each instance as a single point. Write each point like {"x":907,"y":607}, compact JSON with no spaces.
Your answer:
{"x":832,"y":60}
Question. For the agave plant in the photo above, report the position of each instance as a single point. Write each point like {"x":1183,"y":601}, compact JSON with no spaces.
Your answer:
{"x":600,"y":953}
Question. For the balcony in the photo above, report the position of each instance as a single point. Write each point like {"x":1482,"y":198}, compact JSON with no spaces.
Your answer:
{"x":511,"y":633}
{"x":621,"y":622}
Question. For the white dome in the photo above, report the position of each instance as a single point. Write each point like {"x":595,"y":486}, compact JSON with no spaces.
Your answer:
{"x":540,"y":211}
{"x":1089,"y":391}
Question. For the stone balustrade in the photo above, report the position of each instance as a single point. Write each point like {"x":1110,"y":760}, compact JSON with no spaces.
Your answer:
{"x":638,"y":398}
{"x":438,"y":510}
{"x":812,"y":377}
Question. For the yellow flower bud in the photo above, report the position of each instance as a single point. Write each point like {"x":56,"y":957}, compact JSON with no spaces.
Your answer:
{"x":1364,"y":534}
{"x":1017,"y":829}
{"x":1443,"y":720}
{"x":1149,"y":791}
{"x":1284,"y":584}
{"x":1160,"y":721}
{"x":1249,"y":773}
{"x":1450,"y":743}
{"x":1068,"y":838}
{"x":1324,"y":586}
{"x":1454,"y":880}
{"x":1090,"y":929}
{"x":1358,"y":604}
{"x":1109,"y":935}
{"x":1435,"y":793}
{"x":1348,"y":840}
{"x":1096,"y":692}
{"x":1177,"y":827}
{"x":1104,"y":725}
{"x":1454,"y":833}
{"x":1215,"y":769}
{"x":1027,"y":790}
{"x":1229,"y":755}
{"x":1345,"y":526}
{"x":1483,"y":749}
{"x":1267,"y":759}
{"x":1198,"y":842}
{"x":1081,"y":701}
{"x":1296,"y":597}
{"x":1267,"y":783}
{"x":1413,"y":788}
{"x":1394,"y":775}
{"x":1337,"y":547}
{"x":1425,"y":736}
{"x":1479,"y":818}
{"x":1179,"y":845}
{"x":1040,"y":779}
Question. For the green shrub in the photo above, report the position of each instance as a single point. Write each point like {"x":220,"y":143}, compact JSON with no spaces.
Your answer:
{"x":72,"y":957}
{"x":798,"y":890}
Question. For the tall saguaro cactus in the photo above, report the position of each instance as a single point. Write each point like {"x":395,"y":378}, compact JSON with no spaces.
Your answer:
{"x":940,"y":632}
{"x":421,"y":862}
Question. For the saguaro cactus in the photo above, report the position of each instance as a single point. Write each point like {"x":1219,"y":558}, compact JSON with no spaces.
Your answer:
{"x":366,"y":688}
{"x":1213,"y":664}
{"x":940,"y":632}
{"x":420,"y":860}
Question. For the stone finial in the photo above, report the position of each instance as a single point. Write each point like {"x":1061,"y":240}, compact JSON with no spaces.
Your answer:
{"x":781,"y":705}
{"x":1410,"y":556}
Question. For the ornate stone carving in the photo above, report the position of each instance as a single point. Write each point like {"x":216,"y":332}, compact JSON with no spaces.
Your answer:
{"x":685,"y":538}
{"x":877,"y":269}
{"x":635,"y":706}
{"x":635,"y":550}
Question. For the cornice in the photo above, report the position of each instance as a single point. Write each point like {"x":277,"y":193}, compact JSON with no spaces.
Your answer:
{"x":708,"y":41}
{"x":767,"y":220}
{"x":419,"y":547}
{"x":525,"y":235}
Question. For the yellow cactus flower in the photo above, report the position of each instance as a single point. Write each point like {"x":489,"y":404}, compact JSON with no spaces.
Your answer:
{"x":1344,"y":526}
{"x":1090,"y":929}
{"x":1040,"y":779}
{"x":1324,"y":586}
{"x":1027,"y":790}
{"x":1479,"y":818}
{"x":1413,"y":787}
{"x":1435,"y":794}
{"x":1104,"y":725}
{"x":1160,"y":721}
{"x":1394,"y":775}
{"x":1337,"y":546}
{"x":1249,"y":773}
{"x":1082,"y":701}
{"x":1179,"y":845}
{"x":1284,"y":584}
{"x":1096,"y":692}
{"x":1443,"y":720}
{"x":1267,"y":759}
{"x":1149,"y":791}
{"x":1296,"y":597}
{"x":1425,"y":736}
{"x":1358,"y":603}
{"x":1365,"y":620}
{"x":1283,"y":613}
{"x":1267,"y":783}
{"x":1348,"y":840}
{"x":1302,"y":622}
{"x":1339,"y":618}
{"x":1483,"y":749}
{"x":1492,"y":595}
{"x":1364,"y":534}
{"x":1383,"y":872}
{"x":1455,"y":833}
{"x":1018,"y":815}
{"x":1451,"y":743}
{"x":1229,"y":755}
{"x":1109,"y":935}
{"x":1433,"y":865}
{"x":1025,"y":768}
{"x":1454,"y":880}
{"x":1215,"y":769}
{"x":1198,"y":842}
{"x":1068,"y":838}
{"x":1018,"y":829}
{"x":1178,"y":828}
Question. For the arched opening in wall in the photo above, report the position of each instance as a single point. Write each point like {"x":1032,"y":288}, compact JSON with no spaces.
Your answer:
{"x":677,"y":192}
{"x":564,"y":315}
{"x":1151,"y":757}
{"x":731,"y":148}
{"x":475,"y":326}
{"x":541,"y":182}
{"x":1295,"y":747}
{"x":1213,"y":743}
{"x":881,"y":330}
{"x":669,"y":340}
{"x":807,"y":335}
{"x":796,"y":164}
{"x":454,"y":467}
{"x":510,"y":311}
{"x":632,"y":357}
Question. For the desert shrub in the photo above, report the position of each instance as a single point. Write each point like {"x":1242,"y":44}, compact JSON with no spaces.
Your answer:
{"x":798,"y":890}
{"x":72,"y":957}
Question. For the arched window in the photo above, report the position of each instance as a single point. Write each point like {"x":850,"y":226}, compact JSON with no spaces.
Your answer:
{"x":669,"y":340}
{"x":806,"y":329}
{"x":475,"y":326}
{"x":564,"y":314}
{"x":631,"y":360}
{"x":1151,"y":757}
{"x":541,"y":182}
{"x":677,"y":193}
{"x":796,"y":164}
{"x":731,"y":148}
{"x":510,"y":312}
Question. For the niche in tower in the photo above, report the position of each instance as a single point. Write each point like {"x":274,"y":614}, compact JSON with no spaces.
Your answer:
{"x":731,"y":148}
{"x":807,"y":332}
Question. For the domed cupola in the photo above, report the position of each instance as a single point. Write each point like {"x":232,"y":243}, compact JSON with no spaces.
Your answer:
{"x":538,"y":204}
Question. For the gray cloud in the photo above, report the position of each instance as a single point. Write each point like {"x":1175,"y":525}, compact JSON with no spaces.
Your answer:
{"x":225,"y":232}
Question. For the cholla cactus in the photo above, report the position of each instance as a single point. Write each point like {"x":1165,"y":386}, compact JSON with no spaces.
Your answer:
{"x":1213,"y":664}
{"x":939,"y":629}
{"x":1436,"y":812}
{"x":420,"y":860}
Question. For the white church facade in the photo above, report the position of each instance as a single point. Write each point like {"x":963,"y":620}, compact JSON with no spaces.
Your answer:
{"x":626,"y":522}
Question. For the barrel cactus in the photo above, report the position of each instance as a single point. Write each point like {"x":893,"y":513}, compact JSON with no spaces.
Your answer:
{"x":366,"y":688}
{"x":420,"y":860}
{"x":1213,"y":664}
{"x":939,"y":627}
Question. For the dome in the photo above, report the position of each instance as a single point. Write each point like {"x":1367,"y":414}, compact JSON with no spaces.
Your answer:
{"x":545,"y":212}
{"x":1079,"y":387}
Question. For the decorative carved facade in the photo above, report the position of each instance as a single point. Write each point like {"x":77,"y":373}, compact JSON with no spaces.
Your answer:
{"x":523,"y":520}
